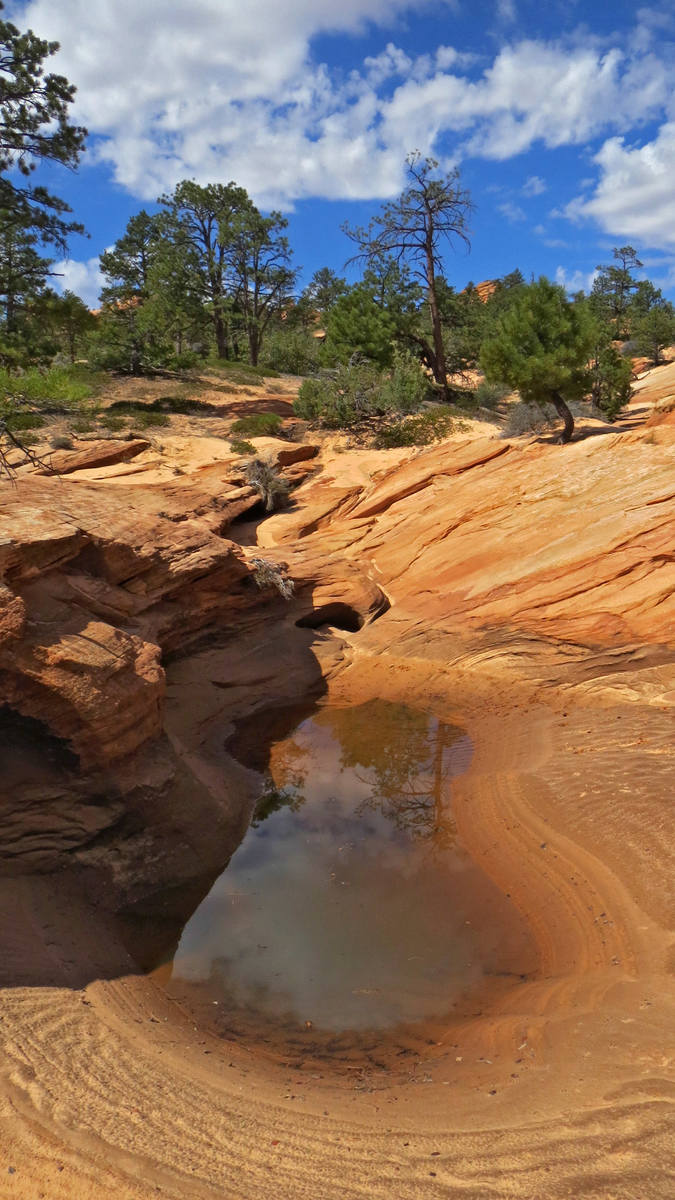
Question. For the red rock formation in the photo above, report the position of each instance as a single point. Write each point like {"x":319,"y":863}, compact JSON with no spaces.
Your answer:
{"x":101,"y":581}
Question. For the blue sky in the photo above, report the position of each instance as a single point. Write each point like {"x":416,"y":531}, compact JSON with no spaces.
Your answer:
{"x":560,"y":116}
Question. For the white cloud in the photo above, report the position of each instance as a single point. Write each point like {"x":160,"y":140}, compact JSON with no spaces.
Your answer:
{"x":635,"y":197}
{"x":534,"y":186}
{"x":392,"y":61}
{"x":542,"y":92}
{"x":83,"y":278}
{"x":220,"y":89}
{"x":577,"y":281}
{"x":512,"y":212}
{"x":506,"y":11}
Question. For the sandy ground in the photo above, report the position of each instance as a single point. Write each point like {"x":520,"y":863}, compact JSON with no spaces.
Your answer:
{"x":560,"y":1085}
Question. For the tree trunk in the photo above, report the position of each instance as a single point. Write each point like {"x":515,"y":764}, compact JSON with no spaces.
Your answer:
{"x":566,"y":416}
{"x":221,"y":334}
{"x":440,"y":370}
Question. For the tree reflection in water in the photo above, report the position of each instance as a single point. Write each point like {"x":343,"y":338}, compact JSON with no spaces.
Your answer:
{"x":409,"y":763}
{"x":405,"y":757}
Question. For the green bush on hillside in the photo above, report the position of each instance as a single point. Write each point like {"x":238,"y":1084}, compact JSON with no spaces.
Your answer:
{"x":17,"y":421}
{"x":489,"y":395}
{"x":67,"y":386}
{"x":240,"y":446}
{"x":292,"y":351}
{"x":257,"y":425}
{"x":421,"y":430}
{"x":345,"y":396}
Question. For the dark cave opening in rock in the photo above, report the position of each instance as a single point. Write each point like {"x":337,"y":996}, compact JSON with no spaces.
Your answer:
{"x":339,"y":615}
{"x":29,"y":741}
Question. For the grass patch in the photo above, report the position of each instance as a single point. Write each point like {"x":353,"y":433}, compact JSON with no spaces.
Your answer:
{"x":24,"y":420}
{"x":421,"y":430}
{"x":181,"y":404}
{"x":82,"y":425}
{"x":257,"y":425}
{"x":63,"y":387}
{"x":113,"y":424}
{"x":489,"y":395}
{"x":165,"y":405}
{"x":145,"y":419}
{"x":241,"y":372}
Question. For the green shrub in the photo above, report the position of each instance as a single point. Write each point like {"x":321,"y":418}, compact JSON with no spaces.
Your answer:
{"x":145,"y":418}
{"x":405,"y":387}
{"x":311,"y":398}
{"x":65,"y":385}
{"x":180,"y":404}
{"x":258,"y":425}
{"x":342,"y":397}
{"x":114,"y":424}
{"x":293,"y":351}
{"x":82,"y":425}
{"x":238,"y":446}
{"x":241,"y":372}
{"x":421,"y":430}
{"x":186,"y":361}
{"x":24,"y":420}
{"x":489,"y":395}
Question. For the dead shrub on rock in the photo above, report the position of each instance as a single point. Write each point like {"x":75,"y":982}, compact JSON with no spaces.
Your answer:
{"x":263,"y":474}
{"x":272,"y":575}
{"x":527,"y":418}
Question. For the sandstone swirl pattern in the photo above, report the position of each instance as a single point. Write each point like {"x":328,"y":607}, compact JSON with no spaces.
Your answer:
{"x":525,"y":587}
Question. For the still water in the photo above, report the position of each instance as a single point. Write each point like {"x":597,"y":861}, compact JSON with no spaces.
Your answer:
{"x":350,"y":903}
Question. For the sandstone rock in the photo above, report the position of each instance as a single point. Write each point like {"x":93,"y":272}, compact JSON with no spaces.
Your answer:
{"x":95,"y":454}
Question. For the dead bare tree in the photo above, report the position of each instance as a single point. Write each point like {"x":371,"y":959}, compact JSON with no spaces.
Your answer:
{"x":433,"y":208}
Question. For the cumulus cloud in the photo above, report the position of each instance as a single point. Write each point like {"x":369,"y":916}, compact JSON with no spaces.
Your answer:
{"x":83,"y":278}
{"x":219,"y":89}
{"x":634,"y":197}
{"x":512,"y":212}
{"x":534,"y":186}
{"x":543,"y":92}
{"x":576,"y":281}
{"x":506,"y":11}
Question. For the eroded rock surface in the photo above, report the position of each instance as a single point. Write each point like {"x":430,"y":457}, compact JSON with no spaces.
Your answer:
{"x":523,"y":587}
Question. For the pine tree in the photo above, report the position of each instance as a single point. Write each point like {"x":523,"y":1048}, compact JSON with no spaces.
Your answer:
{"x":541,"y":347}
{"x":357,"y":324}
{"x":261,"y":278}
{"x":655,"y":331}
{"x":196,"y":217}
{"x":612,"y":288}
